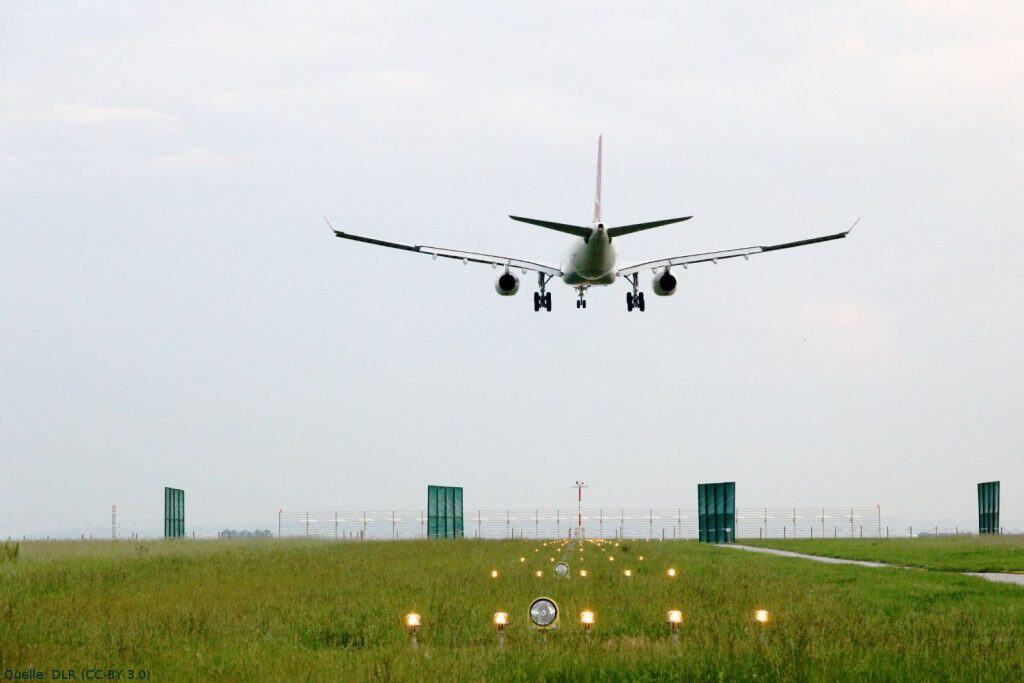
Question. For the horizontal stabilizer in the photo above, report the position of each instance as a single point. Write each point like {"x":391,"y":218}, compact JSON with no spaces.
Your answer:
{"x":577,"y":230}
{"x":637,"y":227}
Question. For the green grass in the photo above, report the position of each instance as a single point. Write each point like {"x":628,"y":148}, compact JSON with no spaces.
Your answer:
{"x":949,"y":553}
{"x":302,"y":610}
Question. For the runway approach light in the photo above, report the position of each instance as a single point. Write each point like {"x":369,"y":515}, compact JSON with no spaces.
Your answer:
{"x":583,"y":573}
{"x":562,"y":570}
{"x":587,"y":618}
{"x":522,"y":559}
{"x":494,"y":573}
{"x":628,"y":573}
{"x":761,"y":616}
{"x":538,"y":573}
{"x":674,"y":618}
{"x":500,"y":620}
{"x":543,"y":613}
{"x":412,"y":624}
{"x":671,"y":572}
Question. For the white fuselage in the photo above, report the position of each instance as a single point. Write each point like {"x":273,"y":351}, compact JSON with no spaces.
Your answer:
{"x":591,"y":261}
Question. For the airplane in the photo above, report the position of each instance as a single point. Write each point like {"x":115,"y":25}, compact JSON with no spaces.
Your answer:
{"x":591,"y":261}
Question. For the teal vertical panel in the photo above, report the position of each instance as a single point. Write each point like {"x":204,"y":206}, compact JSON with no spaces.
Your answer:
{"x":702,"y":513}
{"x":174,"y":512}
{"x":988,"y":507}
{"x":444,"y":512}
{"x":449,"y":512}
{"x":458,"y":513}
{"x":716,"y":512}
{"x":432,"y":495}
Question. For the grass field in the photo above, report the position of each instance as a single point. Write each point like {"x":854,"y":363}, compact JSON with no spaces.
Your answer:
{"x":948,"y":553}
{"x":304,"y":610}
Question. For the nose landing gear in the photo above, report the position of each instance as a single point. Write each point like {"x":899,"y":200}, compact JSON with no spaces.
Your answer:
{"x":635,"y":299}
{"x":581,"y":302}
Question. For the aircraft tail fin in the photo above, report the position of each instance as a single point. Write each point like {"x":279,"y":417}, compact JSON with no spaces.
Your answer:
{"x":597,"y":193}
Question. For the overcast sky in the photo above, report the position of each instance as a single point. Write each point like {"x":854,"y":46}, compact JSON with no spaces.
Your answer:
{"x":173,"y":311}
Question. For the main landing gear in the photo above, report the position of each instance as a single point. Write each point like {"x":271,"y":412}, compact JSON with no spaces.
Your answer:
{"x":581,"y":302}
{"x":542,"y":299}
{"x":635,"y":299}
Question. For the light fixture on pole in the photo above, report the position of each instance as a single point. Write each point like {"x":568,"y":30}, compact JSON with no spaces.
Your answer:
{"x":587,"y":619}
{"x":579,"y":486}
{"x":412,"y":624}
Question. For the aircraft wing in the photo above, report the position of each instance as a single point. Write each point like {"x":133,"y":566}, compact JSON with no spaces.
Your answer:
{"x":716,"y":256}
{"x":464,"y":256}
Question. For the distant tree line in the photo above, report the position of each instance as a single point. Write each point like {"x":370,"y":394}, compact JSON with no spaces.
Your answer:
{"x":245,"y":533}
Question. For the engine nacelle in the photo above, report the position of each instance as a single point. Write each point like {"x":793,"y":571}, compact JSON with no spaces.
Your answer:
{"x":507,"y":284}
{"x":664,"y":283}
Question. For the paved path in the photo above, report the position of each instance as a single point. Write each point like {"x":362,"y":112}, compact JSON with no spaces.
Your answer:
{"x":988,"y":576}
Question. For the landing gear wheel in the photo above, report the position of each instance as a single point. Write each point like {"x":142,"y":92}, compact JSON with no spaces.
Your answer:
{"x":629,"y":301}
{"x":546,"y":299}
{"x":584,"y":303}
{"x":536,"y":302}
{"x":640,"y":301}
{"x":577,"y":303}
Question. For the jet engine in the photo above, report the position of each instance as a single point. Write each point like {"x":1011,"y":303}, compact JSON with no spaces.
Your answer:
{"x":664,"y":283}
{"x":507,"y":284}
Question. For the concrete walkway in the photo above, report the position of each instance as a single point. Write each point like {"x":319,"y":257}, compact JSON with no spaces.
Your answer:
{"x":988,"y":576}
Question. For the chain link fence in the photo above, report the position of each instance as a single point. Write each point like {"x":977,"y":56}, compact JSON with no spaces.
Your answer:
{"x":632,"y":523}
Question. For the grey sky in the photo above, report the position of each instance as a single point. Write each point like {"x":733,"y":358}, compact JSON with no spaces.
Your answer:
{"x":174,"y":311}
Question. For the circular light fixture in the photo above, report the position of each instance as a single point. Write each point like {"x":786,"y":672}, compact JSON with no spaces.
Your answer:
{"x":761,"y":616}
{"x":562,"y":570}
{"x":412,"y":621}
{"x":494,"y":573}
{"x":674,"y":618}
{"x":543,"y":613}
{"x":583,"y":573}
{"x":538,"y":573}
{"x":522,"y":559}
{"x":671,"y":572}
{"x":500,"y":620}
{"x":628,"y":573}
{"x":587,"y":618}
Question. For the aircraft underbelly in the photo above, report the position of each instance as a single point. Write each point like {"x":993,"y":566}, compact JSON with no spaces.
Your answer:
{"x":594,"y":264}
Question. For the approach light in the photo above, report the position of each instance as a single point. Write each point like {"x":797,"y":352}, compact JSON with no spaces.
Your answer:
{"x":674,"y":618}
{"x":583,"y":573}
{"x":761,"y":616}
{"x":628,"y":573}
{"x":562,"y":570}
{"x":494,"y":573}
{"x":538,"y":573}
{"x":522,"y":559}
{"x":611,"y":558}
{"x":587,"y":618}
{"x":412,"y":624}
{"x":500,"y":620}
{"x":671,"y":572}
{"x":543,"y":613}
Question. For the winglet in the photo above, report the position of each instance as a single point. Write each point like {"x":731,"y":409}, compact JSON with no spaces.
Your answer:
{"x":850,"y":229}
{"x":337,"y":232}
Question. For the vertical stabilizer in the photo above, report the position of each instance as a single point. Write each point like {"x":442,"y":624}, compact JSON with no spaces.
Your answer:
{"x":597,"y":194}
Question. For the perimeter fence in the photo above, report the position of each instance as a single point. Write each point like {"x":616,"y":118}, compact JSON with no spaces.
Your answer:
{"x":648,"y":523}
